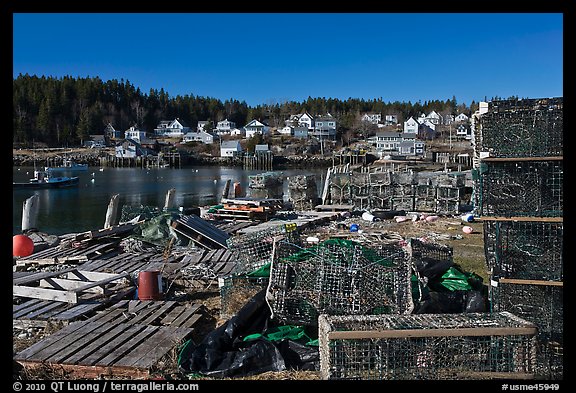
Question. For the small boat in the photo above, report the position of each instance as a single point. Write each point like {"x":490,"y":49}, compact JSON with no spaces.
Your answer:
{"x":67,"y":165}
{"x":44,"y":179}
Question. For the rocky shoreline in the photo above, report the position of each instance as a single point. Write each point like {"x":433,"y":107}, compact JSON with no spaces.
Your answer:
{"x":92,"y":157}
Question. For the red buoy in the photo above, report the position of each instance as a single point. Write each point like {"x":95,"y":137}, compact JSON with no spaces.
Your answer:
{"x":22,"y":246}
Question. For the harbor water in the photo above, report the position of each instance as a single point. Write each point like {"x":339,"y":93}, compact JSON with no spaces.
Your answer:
{"x":83,"y":207}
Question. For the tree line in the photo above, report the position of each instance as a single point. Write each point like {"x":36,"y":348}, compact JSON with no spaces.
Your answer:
{"x":64,"y":111}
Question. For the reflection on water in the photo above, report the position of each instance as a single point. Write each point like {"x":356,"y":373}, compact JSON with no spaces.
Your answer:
{"x":83,"y":208}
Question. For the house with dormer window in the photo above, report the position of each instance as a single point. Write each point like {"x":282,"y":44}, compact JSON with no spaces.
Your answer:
{"x":301,"y":120}
{"x":256,"y":127}
{"x":225,"y":126}
{"x":173,"y":129}
{"x":372,"y":118}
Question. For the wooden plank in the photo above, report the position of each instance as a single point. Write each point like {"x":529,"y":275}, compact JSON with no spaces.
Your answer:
{"x":27,"y":306}
{"x":161,"y":311}
{"x":182,"y":318}
{"x":531,"y":282}
{"x":78,"y":342}
{"x":100,"y":282}
{"x":150,"y":352}
{"x":493,"y":375}
{"x":129,"y":346}
{"x":514,"y":159}
{"x":190,"y":322}
{"x":406,"y":333}
{"x":172,"y":315}
{"x":105,"y":345}
{"x":521,"y":219}
{"x":35,"y":277}
{"x":143,"y":313}
{"x":85,"y":275}
{"x":77,"y":311}
{"x":40,"y":312}
{"x":45,"y":345}
{"x":65,"y":285}
{"x":45,"y":293}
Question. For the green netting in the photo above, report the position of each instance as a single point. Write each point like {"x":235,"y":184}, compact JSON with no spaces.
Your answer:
{"x":279,"y":333}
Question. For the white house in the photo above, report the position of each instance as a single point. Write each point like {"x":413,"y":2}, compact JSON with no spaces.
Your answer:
{"x":201,"y":136}
{"x":256,"y":127}
{"x":373,"y":118}
{"x":225,"y":126}
{"x":135,"y":134}
{"x":390,"y":120}
{"x":411,"y":125}
{"x":238,"y":131}
{"x":461,"y":117}
{"x":434,"y":118}
{"x":129,"y":148}
{"x":175,"y":128}
{"x":301,"y":120}
{"x":288,"y":130}
{"x":230,"y":148}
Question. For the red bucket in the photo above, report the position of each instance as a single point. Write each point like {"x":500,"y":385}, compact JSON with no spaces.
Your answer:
{"x":149,"y":285}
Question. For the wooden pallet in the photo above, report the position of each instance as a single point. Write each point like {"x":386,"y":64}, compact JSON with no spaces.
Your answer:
{"x":128,"y":339}
{"x":39,"y":313}
{"x":69,"y":285}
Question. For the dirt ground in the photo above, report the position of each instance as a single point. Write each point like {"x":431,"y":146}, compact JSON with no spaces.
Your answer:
{"x":468,"y":252}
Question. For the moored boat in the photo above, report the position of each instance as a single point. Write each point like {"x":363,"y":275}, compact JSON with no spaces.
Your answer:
{"x":44,"y":179}
{"x":67,"y":165}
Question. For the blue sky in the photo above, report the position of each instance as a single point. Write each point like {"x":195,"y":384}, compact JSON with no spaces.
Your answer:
{"x":265,"y":58}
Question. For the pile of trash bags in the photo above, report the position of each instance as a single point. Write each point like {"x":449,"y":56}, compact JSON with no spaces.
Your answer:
{"x":251,"y":343}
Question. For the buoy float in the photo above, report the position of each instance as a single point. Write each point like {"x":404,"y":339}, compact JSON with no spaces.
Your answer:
{"x":22,"y":246}
{"x":467,"y":229}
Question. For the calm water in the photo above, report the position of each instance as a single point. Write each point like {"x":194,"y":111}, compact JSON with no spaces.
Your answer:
{"x":83,"y":208}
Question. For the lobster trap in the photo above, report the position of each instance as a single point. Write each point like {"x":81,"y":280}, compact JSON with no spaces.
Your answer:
{"x":338,"y":277}
{"x":521,"y":188}
{"x":254,"y":249}
{"x":236,"y":291}
{"x":528,"y":250}
{"x":541,"y":304}
{"x":268,"y":185}
{"x":426,"y":346}
{"x":303,"y":192}
{"x":522,"y":128}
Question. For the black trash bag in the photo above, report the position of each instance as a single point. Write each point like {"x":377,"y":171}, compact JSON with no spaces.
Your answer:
{"x":432,"y":268}
{"x":476,"y":301}
{"x":222,"y":353}
{"x":442,"y":303}
{"x":298,"y":356}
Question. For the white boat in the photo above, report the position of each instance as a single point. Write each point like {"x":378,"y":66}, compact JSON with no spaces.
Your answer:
{"x":44,"y":179}
{"x":67,"y":165}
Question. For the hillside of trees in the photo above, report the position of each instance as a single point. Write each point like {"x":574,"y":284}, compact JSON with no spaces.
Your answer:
{"x":59,"y":112}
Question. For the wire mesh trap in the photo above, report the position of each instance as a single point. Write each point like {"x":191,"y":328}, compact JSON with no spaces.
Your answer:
{"x":337,"y":277}
{"x":521,"y":188}
{"x":426,"y":346}
{"x":543,"y":306}
{"x":254,"y":249}
{"x":529,"y":250}
{"x":522,"y":128}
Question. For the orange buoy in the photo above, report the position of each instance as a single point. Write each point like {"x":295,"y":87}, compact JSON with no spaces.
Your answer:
{"x":22,"y":246}
{"x":149,"y":284}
